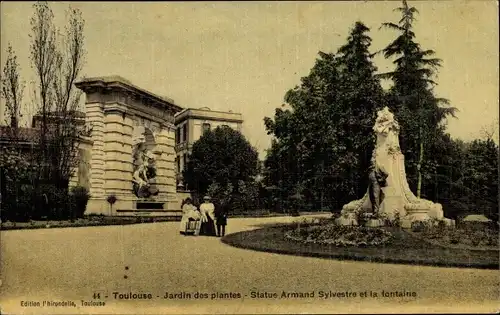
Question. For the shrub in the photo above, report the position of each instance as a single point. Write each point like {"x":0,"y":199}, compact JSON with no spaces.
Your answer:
{"x":441,"y":225}
{"x":79,"y":198}
{"x":455,"y":237}
{"x":53,"y":202}
{"x":339,"y":235}
{"x":418,"y":226}
{"x":476,"y":239}
{"x":492,"y":240}
{"x":44,"y":201}
{"x":111,"y":199}
{"x":397,"y":220}
{"x":362,"y":217}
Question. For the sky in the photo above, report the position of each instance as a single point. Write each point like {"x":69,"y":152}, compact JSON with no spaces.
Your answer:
{"x":244,"y":56}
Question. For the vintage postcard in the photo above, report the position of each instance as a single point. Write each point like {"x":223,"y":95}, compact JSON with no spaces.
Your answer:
{"x":249,"y":157}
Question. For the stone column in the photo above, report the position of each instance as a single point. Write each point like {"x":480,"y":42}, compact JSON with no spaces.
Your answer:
{"x":165,"y":165}
{"x":81,"y":170}
{"x":118,"y":159}
{"x":95,"y":116}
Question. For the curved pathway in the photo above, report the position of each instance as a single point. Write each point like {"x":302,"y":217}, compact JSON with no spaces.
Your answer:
{"x":73,"y":264}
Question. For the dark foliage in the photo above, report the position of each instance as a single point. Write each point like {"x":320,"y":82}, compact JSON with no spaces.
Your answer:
{"x":322,"y":145}
{"x":224,"y":164}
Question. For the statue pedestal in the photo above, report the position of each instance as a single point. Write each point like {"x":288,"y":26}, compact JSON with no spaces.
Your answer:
{"x":374,"y":223}
{"x":348,"y":219}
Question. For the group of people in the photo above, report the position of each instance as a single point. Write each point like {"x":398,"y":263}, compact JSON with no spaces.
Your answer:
{"x":207,"y":220}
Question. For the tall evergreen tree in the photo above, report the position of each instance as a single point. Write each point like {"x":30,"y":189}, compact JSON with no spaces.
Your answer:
{"x":322,"y":145}
{"x":412,"y":98}
{"x":362,"y":97}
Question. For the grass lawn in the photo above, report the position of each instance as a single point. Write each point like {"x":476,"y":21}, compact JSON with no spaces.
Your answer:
{"x":86,"y":221}
{"x":404,"y":249}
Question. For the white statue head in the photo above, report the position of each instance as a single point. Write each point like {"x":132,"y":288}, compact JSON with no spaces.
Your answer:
{"x":149,"y":156}
{"x":385,"y":122}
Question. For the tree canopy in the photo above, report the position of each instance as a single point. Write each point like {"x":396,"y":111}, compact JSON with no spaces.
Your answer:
{"x":322,"y":144}
{"x":222,"y":156}
{"x":411,"y":98}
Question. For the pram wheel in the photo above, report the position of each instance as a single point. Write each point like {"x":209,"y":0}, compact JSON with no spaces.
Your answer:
{"x":192,"y":227}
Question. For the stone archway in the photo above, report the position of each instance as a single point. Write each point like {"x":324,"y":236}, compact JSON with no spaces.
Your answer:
{"x":125,"y":119}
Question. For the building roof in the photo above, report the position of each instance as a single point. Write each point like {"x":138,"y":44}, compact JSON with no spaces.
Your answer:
{"x":77,"y":116}
{"x":24,"y":134}
{"x":206,"y":113}
{"x":116,"y":81}
{"x":75,"y":113}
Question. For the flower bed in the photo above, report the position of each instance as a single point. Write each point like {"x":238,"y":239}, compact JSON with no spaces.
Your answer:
{"x":339,"y":235}
{"x":460,"y":237}
{"x":404,"y":248}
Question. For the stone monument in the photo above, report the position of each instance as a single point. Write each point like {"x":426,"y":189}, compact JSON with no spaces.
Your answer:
{"x":389,"y":195}
{"x":132,"y":155}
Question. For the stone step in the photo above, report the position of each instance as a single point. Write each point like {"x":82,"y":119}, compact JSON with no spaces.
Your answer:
{"x":149,"y":205}
{"x":174,"y":214}
{"x":152,"y":218}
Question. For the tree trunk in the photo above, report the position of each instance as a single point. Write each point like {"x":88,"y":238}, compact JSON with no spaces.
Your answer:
{"x":419,"y":165}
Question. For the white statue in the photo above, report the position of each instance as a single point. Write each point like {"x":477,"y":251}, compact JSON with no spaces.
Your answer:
{"x":140,"y":174}
{"x":389,"y":194}
{"x":144,"y":163}
{"x":387,"y":131}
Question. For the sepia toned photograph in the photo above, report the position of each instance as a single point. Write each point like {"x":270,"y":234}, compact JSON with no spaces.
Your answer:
{"x":252,"y":157}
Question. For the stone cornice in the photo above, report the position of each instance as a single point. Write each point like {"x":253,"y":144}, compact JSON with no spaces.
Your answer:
{"x":201,"y":114}
{"x":120,"y":107}
{"x":123,"y":85}
{"x":221,"y":119}
{"x":115,"y":107}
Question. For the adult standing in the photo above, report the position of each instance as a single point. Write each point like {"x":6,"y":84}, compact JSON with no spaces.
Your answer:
{"x":207,"y":210}
{"x":221,"y":220}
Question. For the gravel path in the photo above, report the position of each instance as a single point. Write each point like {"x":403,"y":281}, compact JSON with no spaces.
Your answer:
{"x":73,"y":264}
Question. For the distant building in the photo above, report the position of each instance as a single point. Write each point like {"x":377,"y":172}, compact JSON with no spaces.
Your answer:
{"x":190,"y":125}
{"x":26,"y":139}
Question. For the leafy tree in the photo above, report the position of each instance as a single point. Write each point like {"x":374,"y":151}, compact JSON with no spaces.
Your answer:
{"x":446,"y":186}
{"x":222,"y":195}
{"x":322,"y":144}
{"x":480,"y":177}
{"x":16,"y":172}
{"x":411,"y":97}
{"x":222,"y":156}
{"x":362,"y":97}
{"x":466,"y":178}
{"x":57,"y":60}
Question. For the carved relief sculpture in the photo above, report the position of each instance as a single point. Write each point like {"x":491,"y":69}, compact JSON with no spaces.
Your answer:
{"x":144,"y":174}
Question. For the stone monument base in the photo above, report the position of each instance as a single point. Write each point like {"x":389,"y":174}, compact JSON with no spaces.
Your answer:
{"x":349,"y":219}
{"x":374,"y":223}
{"x":131,"y":205}
{"x":389,"y":186}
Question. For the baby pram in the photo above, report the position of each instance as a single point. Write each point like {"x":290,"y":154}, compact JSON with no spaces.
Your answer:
{"x":193,"y":227}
